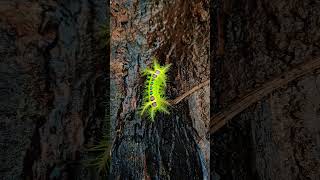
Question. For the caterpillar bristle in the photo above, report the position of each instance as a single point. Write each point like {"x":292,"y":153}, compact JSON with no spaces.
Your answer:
{"x":154,"y":99}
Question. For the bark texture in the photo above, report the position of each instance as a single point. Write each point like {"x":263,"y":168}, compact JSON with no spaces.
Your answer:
{"x":254,"y":42}
{"x":175,"y":145}
{"x":52,"y":85}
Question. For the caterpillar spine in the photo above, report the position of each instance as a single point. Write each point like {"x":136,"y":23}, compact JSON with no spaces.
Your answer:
{"x":154,"y":99}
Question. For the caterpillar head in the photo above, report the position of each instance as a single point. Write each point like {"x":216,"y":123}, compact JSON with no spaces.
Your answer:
{"x":154,"y":99}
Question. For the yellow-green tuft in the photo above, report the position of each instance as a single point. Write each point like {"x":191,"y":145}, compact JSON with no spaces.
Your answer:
{"x":154,"y":99}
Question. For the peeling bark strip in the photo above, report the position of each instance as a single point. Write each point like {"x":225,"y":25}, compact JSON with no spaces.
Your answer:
{"x":220,"y":119}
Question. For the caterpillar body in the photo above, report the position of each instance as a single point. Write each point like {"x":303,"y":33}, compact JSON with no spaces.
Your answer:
{"x":154,"y":99}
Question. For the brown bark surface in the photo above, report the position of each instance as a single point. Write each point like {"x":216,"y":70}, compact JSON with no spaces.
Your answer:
{"x":174,"y":146}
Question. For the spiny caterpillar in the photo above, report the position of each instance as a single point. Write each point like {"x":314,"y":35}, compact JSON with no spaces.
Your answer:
{"x":154,"y":99}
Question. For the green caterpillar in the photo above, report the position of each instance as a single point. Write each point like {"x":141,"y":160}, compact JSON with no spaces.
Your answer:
{"x":154,"y":99}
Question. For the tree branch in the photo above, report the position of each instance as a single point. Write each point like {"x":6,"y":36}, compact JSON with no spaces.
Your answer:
{"x":186,"y":94}
{"x":219,"y":120}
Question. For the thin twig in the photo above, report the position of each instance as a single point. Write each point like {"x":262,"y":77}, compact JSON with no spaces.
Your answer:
{"x":220,"y":119}
{"x":186,"y":94}
{"x":170,"y":52}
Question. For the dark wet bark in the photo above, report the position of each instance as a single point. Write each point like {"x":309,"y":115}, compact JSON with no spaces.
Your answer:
{"x":278,"y":137}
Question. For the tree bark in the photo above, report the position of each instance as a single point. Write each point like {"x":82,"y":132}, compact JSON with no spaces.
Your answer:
{"x":175,"y":145}
{"x":53,"y":81}
{"x":278,"y":136}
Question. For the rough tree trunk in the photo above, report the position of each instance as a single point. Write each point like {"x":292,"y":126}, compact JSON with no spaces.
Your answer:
{"x":175,"y":145}
{"x":52,"y":86}
{"x":254,"y":42}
